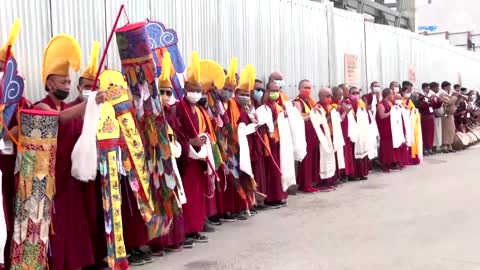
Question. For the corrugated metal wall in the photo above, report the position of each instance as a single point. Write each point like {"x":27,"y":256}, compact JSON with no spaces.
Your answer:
{"x":302,"y":38}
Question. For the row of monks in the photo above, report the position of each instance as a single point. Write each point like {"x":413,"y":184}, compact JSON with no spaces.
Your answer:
{"x":231,"y":146}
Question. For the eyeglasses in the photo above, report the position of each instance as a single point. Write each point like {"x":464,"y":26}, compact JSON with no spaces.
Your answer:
{"x":260,"y":89}
{"x":165,"y":92}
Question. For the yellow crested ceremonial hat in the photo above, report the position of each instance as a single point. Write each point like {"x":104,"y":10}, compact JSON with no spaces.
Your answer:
{"x":247,"y":78}
{"x":61,"y":54}
{"x":90,"y":72}
{"x":212,"y":73}
{"x":112,"y":77}
{"x":164,"y":80}
{"x":232,"y":70}
{"x":12,"y":37}
{"x":193,"y":69}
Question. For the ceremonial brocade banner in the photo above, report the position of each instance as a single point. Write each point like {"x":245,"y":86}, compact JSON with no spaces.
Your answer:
{"x":108,"y":134}
{"x":36,"y":187}
{"x":352,"y":72}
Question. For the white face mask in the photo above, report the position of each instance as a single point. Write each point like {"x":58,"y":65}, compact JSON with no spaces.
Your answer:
{"x":86,"y":94}
{"x":280,"y":83}
{"x":398,"y":102}
{"x":407,"y":95}
{"x":193,"y":97}
{"x":396,"y":89}
{"x":376,"y":89}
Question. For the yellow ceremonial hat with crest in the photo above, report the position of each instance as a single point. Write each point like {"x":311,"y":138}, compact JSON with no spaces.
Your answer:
{"x":111,"y":77}
{"x":247,"y":78}
{"x":12,"y":37}
{"x":212,"y":74}
{"x":193,"y":69}
{"x":167,"y":70}
{"x":230,"y":79}
{"x":90,"y":72}
{"x":61,"y":54}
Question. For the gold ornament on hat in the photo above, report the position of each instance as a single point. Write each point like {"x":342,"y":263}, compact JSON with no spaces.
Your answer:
{"x":61,"y":54}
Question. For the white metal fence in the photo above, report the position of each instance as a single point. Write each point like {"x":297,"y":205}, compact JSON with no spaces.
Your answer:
{"x":302,"y":38}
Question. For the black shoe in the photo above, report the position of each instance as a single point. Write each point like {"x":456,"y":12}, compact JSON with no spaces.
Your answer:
{"x":207,"y":227}
{"x":215,"y":220}
{"x":283,"y":203}
{"x":353,"y":179}
{"x":146,"y":256}
{"x":228,"y":217}
{"x":242,"y":215}
{"x":188,"y":243}
{"x":273,"y":205}
{"x":262,"y":207}
{"x":253,"y":211}
{"x":135,"y":259}
{"x":363,"y":178}
{"x":198,"y":238}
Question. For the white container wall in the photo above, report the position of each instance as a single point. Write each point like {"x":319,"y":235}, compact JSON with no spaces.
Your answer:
{"x":303,"y":39}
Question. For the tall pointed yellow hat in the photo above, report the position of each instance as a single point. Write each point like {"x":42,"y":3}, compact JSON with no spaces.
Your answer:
{"x":61,"y":54}
{"x":12,"y":37}
{"x":90,"y":72}
{"x":247,"y":78}
{"x":193,"y":69}
{"x":164,"y":80}
{"x":212,"y":73}
{"x":232,"y":70}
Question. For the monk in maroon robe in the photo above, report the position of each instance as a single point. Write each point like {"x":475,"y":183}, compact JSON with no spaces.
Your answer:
{"x":306,"y":173}
{"x":375,"y":90}
{"x":70,"y":235}
{"x":193,"y":171}
{"x":362,"y":165}
{"x":427,"y":106}
{"x":349,"y":171}
{"x":276,"y":197}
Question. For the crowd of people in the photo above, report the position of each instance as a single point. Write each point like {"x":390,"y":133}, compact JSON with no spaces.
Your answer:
{"x":230,"y":147}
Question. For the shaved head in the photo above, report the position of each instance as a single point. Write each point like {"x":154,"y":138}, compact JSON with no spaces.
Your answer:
{"x":386,"y":92}
{"x":276,"y":75}
{"x":337,"y":93}
{"x":323,"y":95}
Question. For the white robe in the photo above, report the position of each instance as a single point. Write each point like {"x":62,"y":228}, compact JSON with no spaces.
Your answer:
{"x":363,"y":145}
{"x":287,"y":162}
{"x":297,"y":129}
{"x":338,"y":142}
{"x":398,"y":137}
{"x":327,"y":153}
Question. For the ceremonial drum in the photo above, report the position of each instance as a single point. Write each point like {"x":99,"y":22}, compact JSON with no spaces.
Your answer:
{"x":36,"y":188}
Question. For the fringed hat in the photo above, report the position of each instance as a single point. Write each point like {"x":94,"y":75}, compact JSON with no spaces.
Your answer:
{"x":90,"y":72}
{"x":136,"y":55}
{"x":212,"y":74}
{"x":230,"y":79}
{"x":164,"y":80}
{"x":247,"y":78}
{"x":61,"y":54}
{"x":193,"y":69}
{"x":12,"y":37}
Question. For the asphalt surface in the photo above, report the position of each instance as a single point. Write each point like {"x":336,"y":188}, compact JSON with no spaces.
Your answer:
{"x":423,"y":217}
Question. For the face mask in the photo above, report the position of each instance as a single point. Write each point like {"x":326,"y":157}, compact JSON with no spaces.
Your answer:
{"x":354,"y":97}
{"x":202,"y":102}
{"x":226,"y":95}
{"x":398,"y":102}
{"x":60,"y":94}
{"x":280,"y":83}
{"x":258,"y":95}
{"x":328,"y":100}
{"x":86,"y":94}
{"x":376,"y":89}
{"x":193,"y":97}
{"x":407,"y":95}
{"x":243,"y":100}
{"x":306,"y":93}
{"x":396,"y":89}
{"x":273,"y":96}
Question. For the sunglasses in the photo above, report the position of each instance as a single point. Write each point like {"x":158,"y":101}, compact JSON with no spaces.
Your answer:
{"x":165,"y":92}
{"x":260,"y":89}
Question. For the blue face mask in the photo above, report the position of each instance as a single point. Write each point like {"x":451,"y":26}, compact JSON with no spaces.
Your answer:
{"x":258,"y":95}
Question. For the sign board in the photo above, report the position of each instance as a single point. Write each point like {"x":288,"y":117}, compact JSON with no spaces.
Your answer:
{"x":412,"y":76}
{"x":352,"y":72}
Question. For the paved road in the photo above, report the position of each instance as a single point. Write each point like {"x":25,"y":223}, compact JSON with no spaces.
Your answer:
{"x":424,"y":217}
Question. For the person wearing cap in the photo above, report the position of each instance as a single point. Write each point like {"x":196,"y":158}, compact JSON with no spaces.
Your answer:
{"x":195,"y":125}
{"x":308,"y":169}
{"x":70,"y":235}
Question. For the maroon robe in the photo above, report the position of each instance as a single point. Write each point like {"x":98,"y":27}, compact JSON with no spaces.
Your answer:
{"x":257,"y":156}
{"x":93,"y":201}
{"x":428,"y":121}
{"x":308,"y":171}
{"x":193,"y":171}
{"x":70,"y":235}
{"x":347,"y":148}
{"x":361,"y":165}
{"x":388,"y":155}
{"x":275,"y":191}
